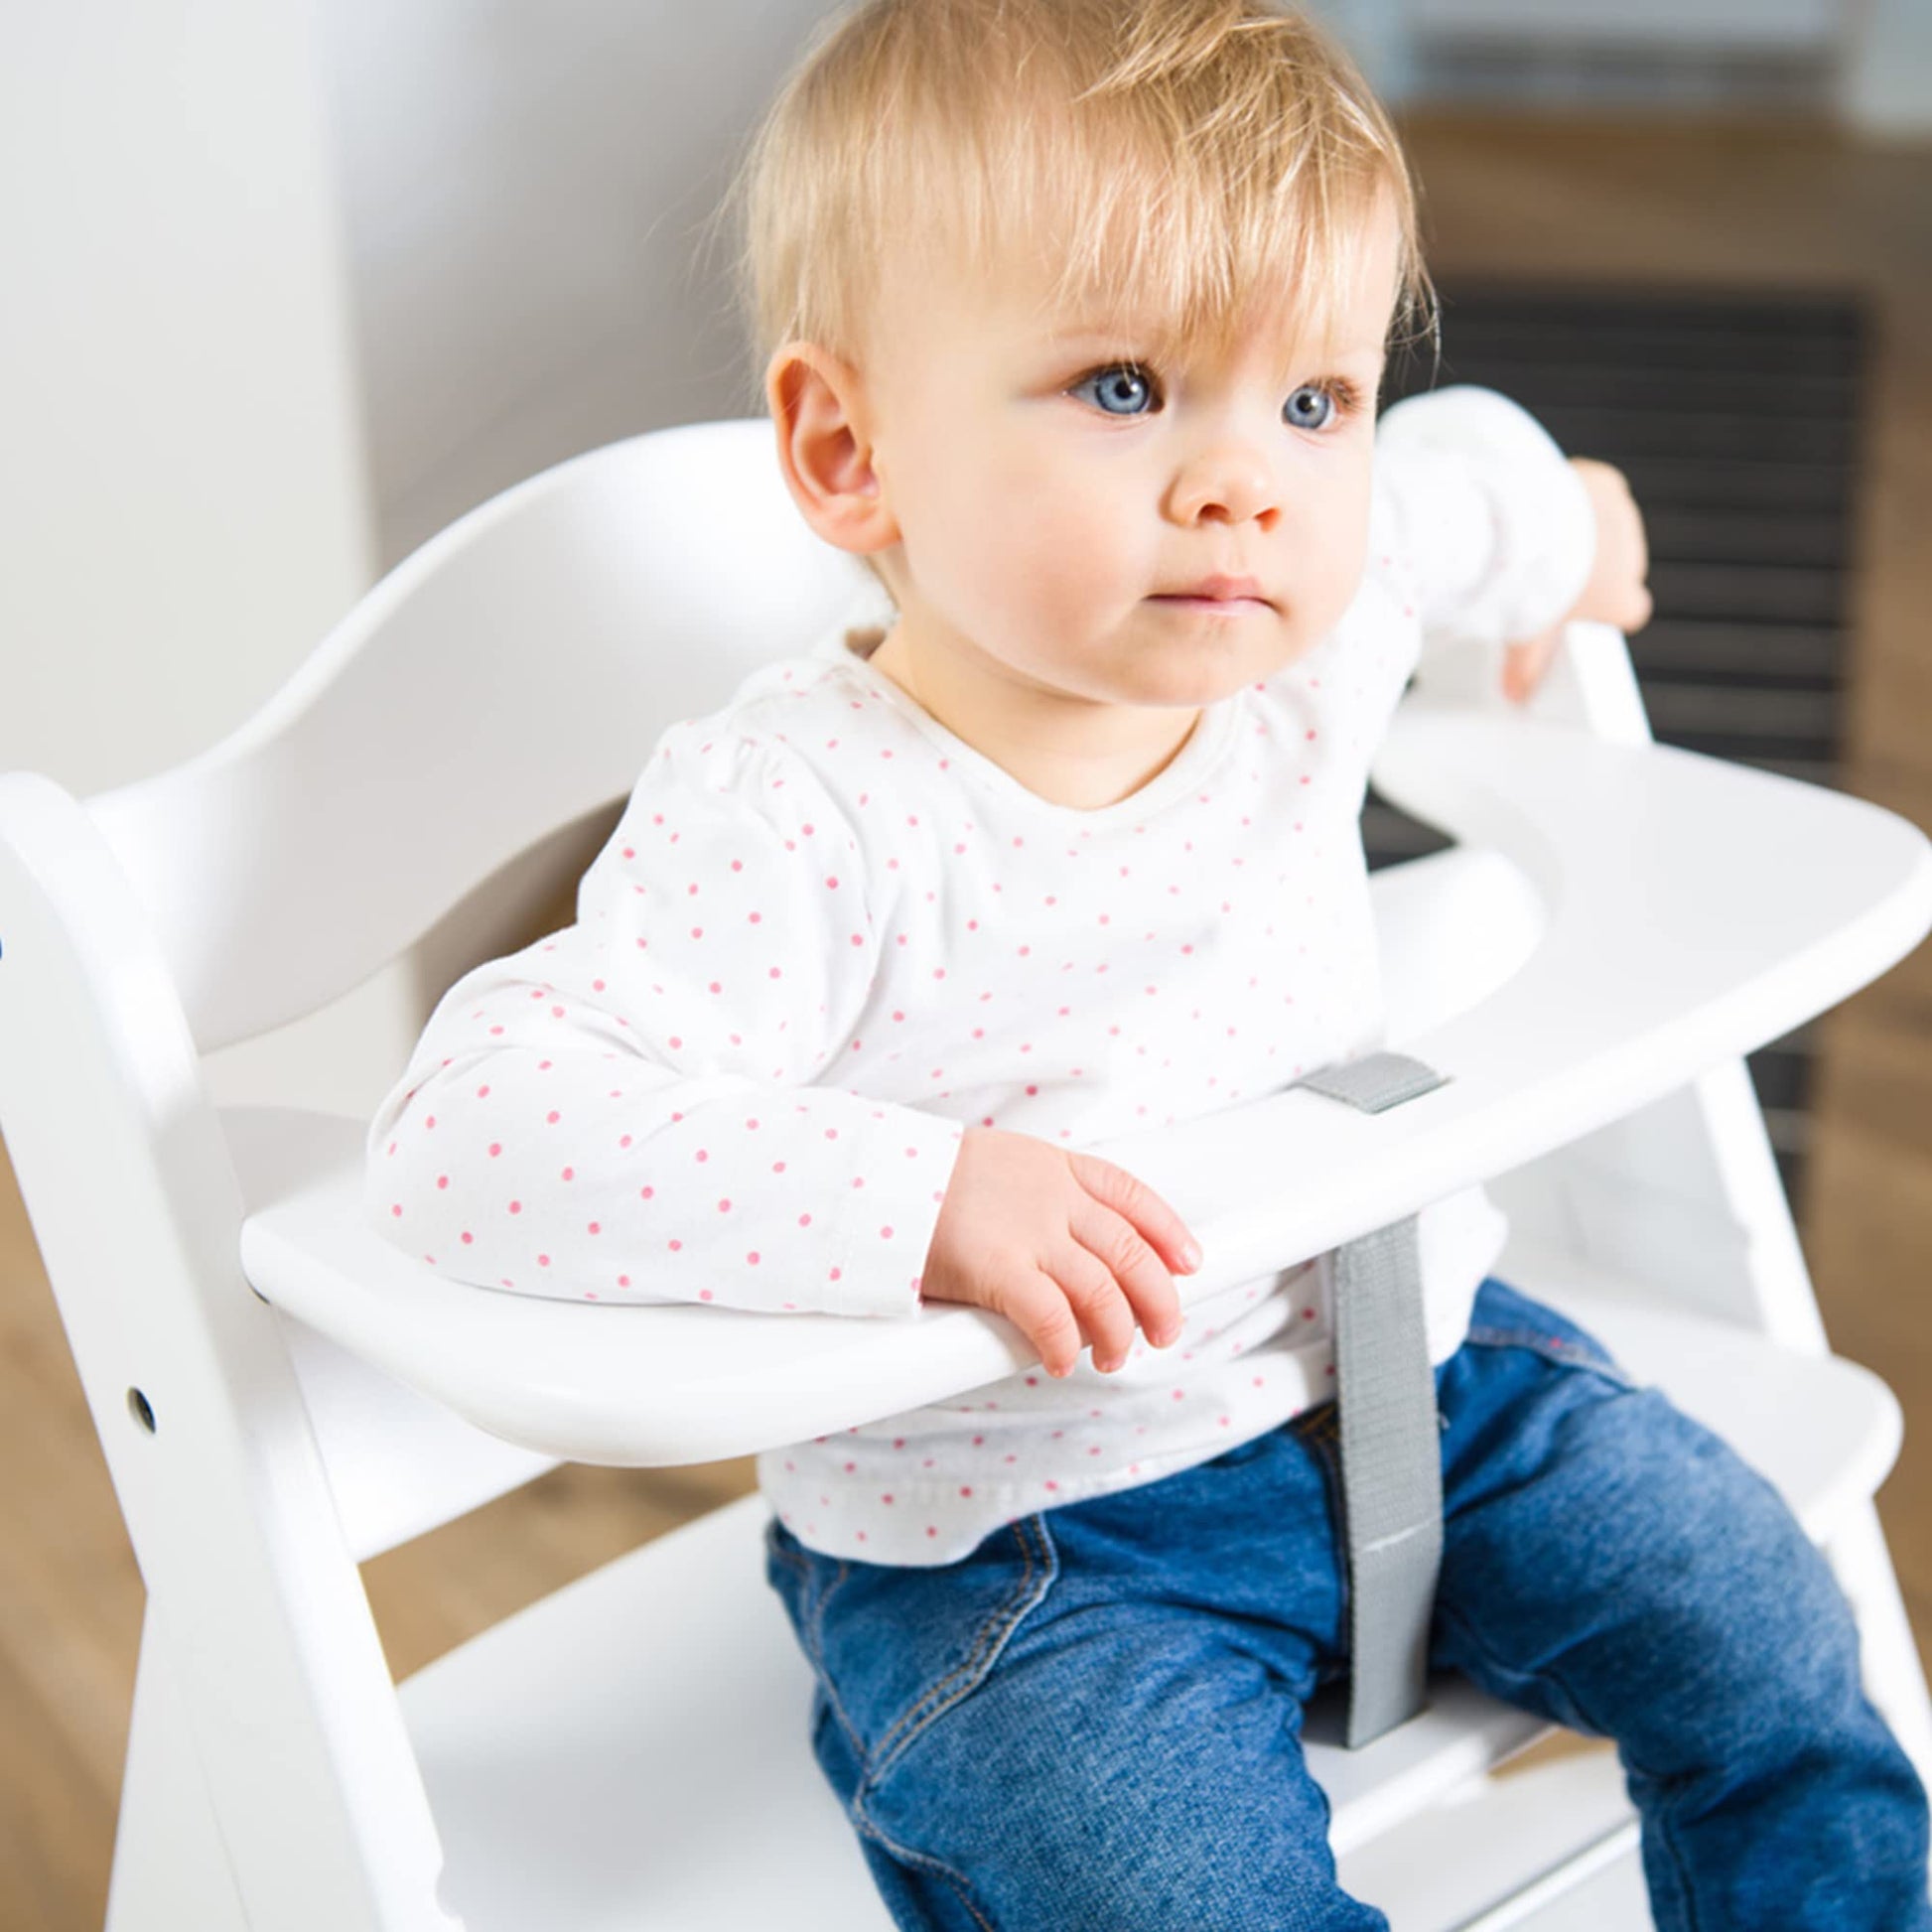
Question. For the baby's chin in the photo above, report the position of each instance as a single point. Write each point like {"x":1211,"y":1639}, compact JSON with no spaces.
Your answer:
{"x":1200,"y":658}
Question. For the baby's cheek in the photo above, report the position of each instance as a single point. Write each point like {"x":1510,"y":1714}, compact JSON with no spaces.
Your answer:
{"x":1331,"y":573}
{"x":1055,"y":566}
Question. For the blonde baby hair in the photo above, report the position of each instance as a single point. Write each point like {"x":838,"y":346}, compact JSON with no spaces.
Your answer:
{"x":1179,"y":163}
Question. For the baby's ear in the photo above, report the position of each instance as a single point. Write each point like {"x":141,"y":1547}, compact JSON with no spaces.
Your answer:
{"x":820,"y":410}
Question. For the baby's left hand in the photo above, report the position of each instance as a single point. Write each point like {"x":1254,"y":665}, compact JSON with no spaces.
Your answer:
{"x":1615,"y":593}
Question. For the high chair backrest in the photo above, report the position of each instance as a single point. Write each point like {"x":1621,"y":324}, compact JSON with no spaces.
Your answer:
{"x":507,"y":679}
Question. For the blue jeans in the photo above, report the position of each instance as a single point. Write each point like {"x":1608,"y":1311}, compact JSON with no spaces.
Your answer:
{"x":1094,"y":1720}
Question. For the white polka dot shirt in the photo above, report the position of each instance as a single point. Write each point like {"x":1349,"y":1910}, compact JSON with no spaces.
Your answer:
{"x":827,"y":936}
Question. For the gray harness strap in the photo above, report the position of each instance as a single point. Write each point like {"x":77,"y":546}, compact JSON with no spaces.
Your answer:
{"x":1391,"y":1442}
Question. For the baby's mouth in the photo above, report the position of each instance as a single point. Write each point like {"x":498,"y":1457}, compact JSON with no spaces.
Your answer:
{"x":1227,"y":607}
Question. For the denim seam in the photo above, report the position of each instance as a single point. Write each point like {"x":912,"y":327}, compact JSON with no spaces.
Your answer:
{"x":1556,"y":1348}
{"x":953,"y":1876}
{"x":813,"y":1634}
{"x":817,"y":1622}
{"x":1557,"y":1681}
{"x":992,"y":1633}
{"x":1666,"y":1843}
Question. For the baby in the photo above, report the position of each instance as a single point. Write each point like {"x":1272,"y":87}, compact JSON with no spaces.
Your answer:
{"x":1072,"y":316}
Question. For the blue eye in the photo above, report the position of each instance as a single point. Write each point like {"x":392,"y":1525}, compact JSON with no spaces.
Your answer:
{"x":1308,"y":407}
{"x":1120,"y":381}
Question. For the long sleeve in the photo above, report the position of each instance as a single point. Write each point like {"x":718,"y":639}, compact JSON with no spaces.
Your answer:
{"x":1483,"y":515}
{"x":643,"y":1107}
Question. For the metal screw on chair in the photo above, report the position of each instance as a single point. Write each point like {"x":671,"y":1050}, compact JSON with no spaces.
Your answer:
{"x":141,"y":1410}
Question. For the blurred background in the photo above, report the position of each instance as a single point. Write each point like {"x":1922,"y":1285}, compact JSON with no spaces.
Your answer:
{"x":289,"y":288}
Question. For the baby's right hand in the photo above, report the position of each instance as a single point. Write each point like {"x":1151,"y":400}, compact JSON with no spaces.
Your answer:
{"x":1059,"y":1243}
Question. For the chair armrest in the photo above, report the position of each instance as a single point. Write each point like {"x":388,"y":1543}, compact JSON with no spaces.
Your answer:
{"x":1697,"y":910}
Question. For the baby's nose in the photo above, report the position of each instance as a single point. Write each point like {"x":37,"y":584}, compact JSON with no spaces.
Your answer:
{"x":1229,"y":486}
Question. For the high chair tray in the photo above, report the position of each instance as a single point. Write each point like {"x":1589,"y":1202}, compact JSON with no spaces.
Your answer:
{"x":1695,"y":910}
{"x":585,"y":1363}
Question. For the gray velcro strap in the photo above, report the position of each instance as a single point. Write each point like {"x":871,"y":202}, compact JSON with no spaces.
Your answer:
{"x":1375,"y":1082}
{"x":1391,"y":1441}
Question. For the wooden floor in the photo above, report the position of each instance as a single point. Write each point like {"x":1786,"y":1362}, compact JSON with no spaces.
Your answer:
{"x":1747,"y":206}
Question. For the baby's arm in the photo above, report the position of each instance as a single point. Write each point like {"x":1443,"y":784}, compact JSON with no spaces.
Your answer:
{"x":1615,"y":592}
{"x":1494,"y":532}
{"x":644,"y":1107}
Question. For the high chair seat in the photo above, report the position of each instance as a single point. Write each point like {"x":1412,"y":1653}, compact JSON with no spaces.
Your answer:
{"x":634,"y":1751}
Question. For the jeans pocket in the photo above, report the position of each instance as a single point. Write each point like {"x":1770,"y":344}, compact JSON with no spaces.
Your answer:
{"x":897,"y":1645}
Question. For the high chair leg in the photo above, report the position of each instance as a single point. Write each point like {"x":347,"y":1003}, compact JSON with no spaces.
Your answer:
{"x":1893,"y":1677}
{"x":171,"y":1869}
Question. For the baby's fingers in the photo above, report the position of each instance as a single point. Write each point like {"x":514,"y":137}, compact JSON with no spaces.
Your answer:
{"x":1143,"y":1287}
{"x":1038,"y":1307}
{"x":1140,"y":1207}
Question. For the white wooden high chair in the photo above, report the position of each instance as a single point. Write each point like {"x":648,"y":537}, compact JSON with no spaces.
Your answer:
{"x":1619,"y":922}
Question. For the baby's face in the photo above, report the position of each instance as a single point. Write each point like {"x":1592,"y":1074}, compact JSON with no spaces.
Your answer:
{"x":1055,"y":490}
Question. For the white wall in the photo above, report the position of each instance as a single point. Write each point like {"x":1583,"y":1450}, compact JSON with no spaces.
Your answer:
{"x":181,"y":499}
{"x":523,"y":188}
{"x":184,"y":502}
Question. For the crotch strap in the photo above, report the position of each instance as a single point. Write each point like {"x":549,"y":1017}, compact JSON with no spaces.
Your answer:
{"x":1391,"y":1439}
